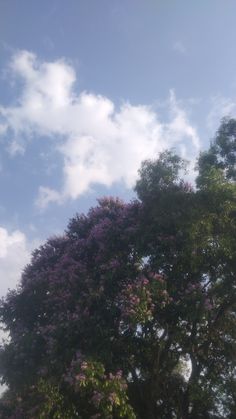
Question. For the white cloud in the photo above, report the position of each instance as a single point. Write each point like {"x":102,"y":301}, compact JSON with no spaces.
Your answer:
{"x":3,"y":129}
{"x":99,"y":143}
{"x":14,"y":255}
{"x":179,"y":47}
{"x":46,"y":196}
{"x":16,"y":147}
{"x":220,"y":107}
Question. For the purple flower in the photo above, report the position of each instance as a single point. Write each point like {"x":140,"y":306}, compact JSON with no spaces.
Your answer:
{"x":207,"y":304}
{"x":96,"y":398}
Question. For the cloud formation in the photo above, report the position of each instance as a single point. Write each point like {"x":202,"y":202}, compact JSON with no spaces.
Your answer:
{"x":14,"y":254}
{"x":99,"y":143}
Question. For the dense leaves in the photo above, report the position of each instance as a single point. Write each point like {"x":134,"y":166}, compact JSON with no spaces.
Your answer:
{"x":132,"y":312}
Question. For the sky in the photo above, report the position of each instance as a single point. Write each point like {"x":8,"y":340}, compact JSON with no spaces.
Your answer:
{"x":91,"y":88}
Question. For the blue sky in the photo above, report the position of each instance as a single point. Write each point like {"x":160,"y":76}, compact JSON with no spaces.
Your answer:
{"x":88,"y":89}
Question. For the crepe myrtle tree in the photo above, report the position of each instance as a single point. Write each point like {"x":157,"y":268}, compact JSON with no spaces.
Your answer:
{"x":132,"y":312}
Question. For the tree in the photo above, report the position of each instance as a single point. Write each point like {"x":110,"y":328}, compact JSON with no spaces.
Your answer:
{"x":222,"y":152}
{"x":131,"y":313}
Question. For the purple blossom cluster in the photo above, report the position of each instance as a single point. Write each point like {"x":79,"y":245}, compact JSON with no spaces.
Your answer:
{"x":143,"y":298}
{"x":107,"y":390}
{"x":208,"y":304}
{"x":193,"y":288}
{"x":198,"y":293}
{"x":72,"y":272}
{"x":97,"y":398}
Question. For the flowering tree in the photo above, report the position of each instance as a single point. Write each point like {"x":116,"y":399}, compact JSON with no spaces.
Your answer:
{"x":131,"y":313}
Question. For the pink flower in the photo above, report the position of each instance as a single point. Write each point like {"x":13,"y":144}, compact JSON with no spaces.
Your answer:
{"x":145,"y":281}
{"x":84,"y":365}
{"x":119,"y":374}
{"x":96,"y":398}
{"x":80,"y":377}
{"x":112,"y":397}
{"x":207,"y":304}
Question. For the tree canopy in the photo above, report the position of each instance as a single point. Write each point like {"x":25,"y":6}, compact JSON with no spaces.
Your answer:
{"x":131,"y":313}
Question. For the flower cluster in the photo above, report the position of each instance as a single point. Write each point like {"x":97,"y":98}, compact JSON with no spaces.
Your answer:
{"x":107,"y":390}
{"x":197,"y":295}
{"x":143,"y":298}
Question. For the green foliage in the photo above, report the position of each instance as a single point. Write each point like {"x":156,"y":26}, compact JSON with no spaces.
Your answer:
{"x":52,"y":404}
{"x":222,"y":153}
{"x":160,"y":175}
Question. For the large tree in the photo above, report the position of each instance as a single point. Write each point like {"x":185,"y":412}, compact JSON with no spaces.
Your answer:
{"x":132,"y":312}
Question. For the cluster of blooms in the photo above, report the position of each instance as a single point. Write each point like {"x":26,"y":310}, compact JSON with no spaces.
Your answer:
{"x":196,"y":292}
{"x":63,"y":284}
{"x":112,"y":213}
{"x":207,"y":304}
{"x":193,"y":288}
{"x":144,"y":297}
{"x":68,"y":274}
{"x":100,"y":235}
{"x":108,"y":391}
